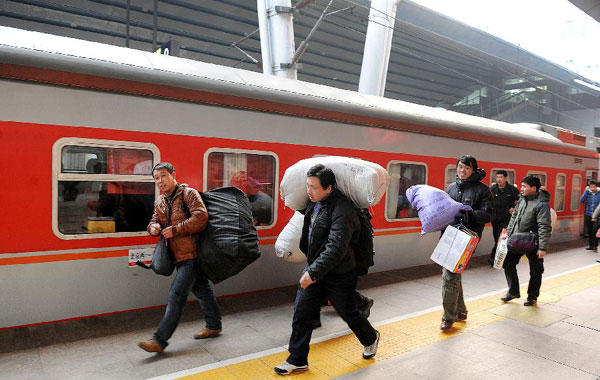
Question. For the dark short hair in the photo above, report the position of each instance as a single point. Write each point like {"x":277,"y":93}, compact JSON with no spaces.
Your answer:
{"x":532,"y":181}
{"x":164,"y":165}
{"x":592,"y":183}
{"x":469,"y":161}
{"x":503,"y":172}
{"x":324,"y":174}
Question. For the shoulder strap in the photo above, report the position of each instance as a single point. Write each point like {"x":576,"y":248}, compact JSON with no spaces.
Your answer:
{"x":186,"y":209}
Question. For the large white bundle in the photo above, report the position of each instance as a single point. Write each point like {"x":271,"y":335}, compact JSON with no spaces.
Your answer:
{"x":287,"y":246}
{"x":363,"y":182}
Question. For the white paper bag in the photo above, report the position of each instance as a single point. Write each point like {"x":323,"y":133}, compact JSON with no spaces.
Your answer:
{"x":455,"y":248}
{"x":501,"y":252}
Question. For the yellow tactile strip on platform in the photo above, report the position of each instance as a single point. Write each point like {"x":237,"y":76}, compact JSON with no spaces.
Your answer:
{"x":343,"y":355}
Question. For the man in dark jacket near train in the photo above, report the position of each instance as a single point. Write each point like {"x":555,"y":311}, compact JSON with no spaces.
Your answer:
{"x":505,"y":197}
{"x":330,"y":227}
{"x":171,"y":221}
{"x":532,"y":214}
{"x":469,"y":190}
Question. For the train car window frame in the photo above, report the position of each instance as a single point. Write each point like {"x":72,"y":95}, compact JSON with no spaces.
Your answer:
{"x":493,"y":176}
{"x":392,"y":162}
{"x":57,"y":176}
{"x":448,"y":181}
{"x":576,"y":195}
{"x":564,"y":191}
{"x":536,"y":172}
{"x":248,"y":151}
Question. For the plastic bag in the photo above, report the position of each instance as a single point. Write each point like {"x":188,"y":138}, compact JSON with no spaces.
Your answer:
{"x":553,"y":218}
{"x":363,"y":182}
{"x":287,"y":246}
{"x":435,"y":207}
{"x":501,"y":252}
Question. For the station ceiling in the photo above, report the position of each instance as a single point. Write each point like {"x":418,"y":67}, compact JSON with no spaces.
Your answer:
{"x":435,"y":60}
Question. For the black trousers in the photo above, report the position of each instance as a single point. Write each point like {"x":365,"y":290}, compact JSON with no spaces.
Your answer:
{"x":590,"y":225}
{"x":497,"y":230}
{"x":339,"y":289}
{"x":536,"y":269}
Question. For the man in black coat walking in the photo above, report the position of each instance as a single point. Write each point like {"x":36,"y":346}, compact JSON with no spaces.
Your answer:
{"x":331,"y":227}
{"x":505,"y":198}
{"x":469,"y":190}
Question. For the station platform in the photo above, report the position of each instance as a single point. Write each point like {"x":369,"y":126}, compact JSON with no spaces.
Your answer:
{"x":558,"y":339}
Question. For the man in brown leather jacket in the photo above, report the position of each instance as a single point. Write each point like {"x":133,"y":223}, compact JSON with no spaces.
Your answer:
{"x":179,"y":214}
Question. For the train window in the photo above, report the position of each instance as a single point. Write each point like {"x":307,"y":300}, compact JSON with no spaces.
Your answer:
{"x":575,"y":192}
{"x":510,"y":172}
{"x":103,"y":188}
{"x":450,"y":176}
{"x":255,"y":173}
{"x":540,"y":175}
{"x":404,"y":175}
{"x":559,"y":192}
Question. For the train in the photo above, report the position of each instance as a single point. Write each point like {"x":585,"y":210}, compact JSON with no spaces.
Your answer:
{"x":82,"y":124}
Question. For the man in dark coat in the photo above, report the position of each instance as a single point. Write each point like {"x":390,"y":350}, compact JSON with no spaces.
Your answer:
{"x":532,"y":214}
{"x":469,"y":190}
{"x":331,"y":227}
{"x":505,"y":197}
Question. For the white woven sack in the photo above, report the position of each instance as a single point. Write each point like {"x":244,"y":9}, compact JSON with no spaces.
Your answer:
{"x":363,"y":182}
{"x":287,"y":246}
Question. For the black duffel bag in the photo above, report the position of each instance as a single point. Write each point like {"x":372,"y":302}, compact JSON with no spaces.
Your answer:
{"x":229,"y":243}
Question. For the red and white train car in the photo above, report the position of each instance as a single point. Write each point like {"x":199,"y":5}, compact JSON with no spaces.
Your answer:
{"x":82,"y":123}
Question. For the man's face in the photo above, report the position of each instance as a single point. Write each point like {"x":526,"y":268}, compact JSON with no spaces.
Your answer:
{"x":527,"y":190}
{"x":501,"y":180}
{"x":463,"y":171}
{"x":164,"y":180}
{"x":593,"y":188}
{"x":315,"y":191}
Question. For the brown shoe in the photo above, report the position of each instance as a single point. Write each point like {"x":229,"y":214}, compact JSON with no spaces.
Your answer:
{"x":446,"y":325}
{"x":462,"y":316}
{"x":151,"y":346}
{"x":207,"y":333}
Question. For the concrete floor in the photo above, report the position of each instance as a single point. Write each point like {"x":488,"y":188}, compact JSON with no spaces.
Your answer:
{"x":106,"y":347}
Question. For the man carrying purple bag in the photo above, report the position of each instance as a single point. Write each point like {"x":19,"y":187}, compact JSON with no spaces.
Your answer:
{"x":468,"y":190}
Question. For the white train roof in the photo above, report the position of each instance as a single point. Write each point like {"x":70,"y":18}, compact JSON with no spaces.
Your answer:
{"x":36,"y":49}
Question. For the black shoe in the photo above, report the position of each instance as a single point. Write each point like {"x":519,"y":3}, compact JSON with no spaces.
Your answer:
{"x":491,"y":262}
{"x":598,"y":261}
{"x":446,"y":325}
{"x":589,"y":249}
{"x":508,"y":297}
{"x":316,"y":324}
{"x":530,"y":302}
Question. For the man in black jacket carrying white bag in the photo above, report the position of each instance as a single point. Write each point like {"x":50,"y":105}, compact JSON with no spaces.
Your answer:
{"x":330,"y":227}
{"x":531,"y":217}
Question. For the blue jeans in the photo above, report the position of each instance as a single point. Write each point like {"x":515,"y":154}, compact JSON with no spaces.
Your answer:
{"x":186,"y":279}
{"x":339,"y":289}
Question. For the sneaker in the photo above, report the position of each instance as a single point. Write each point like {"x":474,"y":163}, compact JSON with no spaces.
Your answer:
{"x":287,"y":368}
{"x":530,"y":302}
{"x":365,"y":309}
{"x":151,"y":346}
{"x":207,"y":333}
{"x":371,"y":350}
